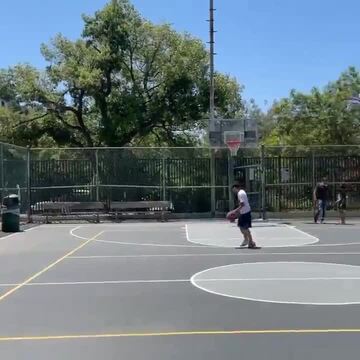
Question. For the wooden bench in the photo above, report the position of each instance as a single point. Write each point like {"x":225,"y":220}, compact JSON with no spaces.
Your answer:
{"x":141,"y":209}
{"x":71,"y":209}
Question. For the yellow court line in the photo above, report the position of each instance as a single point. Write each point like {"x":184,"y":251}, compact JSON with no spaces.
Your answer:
{"x":33,"y":277}
{"x":183,"y":333}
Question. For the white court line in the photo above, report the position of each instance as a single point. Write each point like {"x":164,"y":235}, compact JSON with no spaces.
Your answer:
{"x":110,"y":282}
{"x":281,"y":279}
{"x":195,"y":281}
{"x":209,"y":255}
{"x":196,"y":246}
{"x":106,"y":282}
{"x":319,"y":245}
{"x":287,"y":246}
{"x":9,"y":236}
{"x":280,"y":262}
{"x":327,"y":245}
{"x":217,"y":246}
{"x":18,"y":233}
{"x":240,"y":240}
{"x":193,"y":278}
{"x":72,"y":233}
{"x":32,"y":228}
{"x":301,"y":232}
{"x":54,"y":226}
{"x":187,"y":233}
{"x":137,"y":230}
{"x":313,"y":238}
{"x":153,"y":245}
{"x":167,"y":281}
{"x":129,"y":225}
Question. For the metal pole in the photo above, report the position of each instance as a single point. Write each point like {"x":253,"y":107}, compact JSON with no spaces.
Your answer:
{"x":212,"y":66}
{"x":163,"y":180}
{"x":280,"y":182}
{"x":28,"y":184}
{"x":263,"y":183}
{"x":97,"y":174}
{"x":230,"y":180}
{"x":212,"y":107}
{"x":313,"y":170}
{"x":2,"y":176}
{"x":213,"y":182}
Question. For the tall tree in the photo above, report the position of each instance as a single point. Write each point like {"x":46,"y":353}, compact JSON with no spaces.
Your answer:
{"x":319,"y":118}
{"x":124,"y":81}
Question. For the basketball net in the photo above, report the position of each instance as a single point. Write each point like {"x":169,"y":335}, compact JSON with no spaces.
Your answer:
{"x":234,"y":146}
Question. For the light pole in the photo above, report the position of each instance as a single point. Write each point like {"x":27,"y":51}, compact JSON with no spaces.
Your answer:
{"x":212,"y":54}
{"x":212,"y":108}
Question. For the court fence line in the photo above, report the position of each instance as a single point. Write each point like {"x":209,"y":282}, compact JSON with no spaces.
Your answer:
{"x":195,"y":179}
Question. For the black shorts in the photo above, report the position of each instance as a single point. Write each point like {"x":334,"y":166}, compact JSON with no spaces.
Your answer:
{"x":244,"y":221}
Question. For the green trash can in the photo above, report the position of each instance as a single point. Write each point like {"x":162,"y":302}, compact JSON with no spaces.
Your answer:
{"x":10,"y":214}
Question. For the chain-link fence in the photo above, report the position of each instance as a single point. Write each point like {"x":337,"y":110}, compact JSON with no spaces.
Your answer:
{"x":196,"y":180}
{"x":291,"y":174}
{"x":14,"y":162}
{"x":193,"y":179}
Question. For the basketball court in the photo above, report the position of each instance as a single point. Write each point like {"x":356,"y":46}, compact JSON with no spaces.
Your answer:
{"x":180,"y":290}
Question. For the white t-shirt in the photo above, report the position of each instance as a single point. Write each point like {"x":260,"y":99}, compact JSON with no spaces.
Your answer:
{"x":242,"y":197}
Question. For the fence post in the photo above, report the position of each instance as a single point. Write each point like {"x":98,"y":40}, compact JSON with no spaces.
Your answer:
{"x":163,"y":179}
{"x":263,"y":183}
{"x":213,"y":182}
{"x":28,"y":183}
{"x":230,"y":180}
{"x":97,"y":174}
{"x":2,"y":177}
{"x":280,"y":182}
{"x":313,"y":170}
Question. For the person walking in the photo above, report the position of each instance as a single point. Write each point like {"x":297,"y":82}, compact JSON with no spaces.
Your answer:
{"x":320,"y":196}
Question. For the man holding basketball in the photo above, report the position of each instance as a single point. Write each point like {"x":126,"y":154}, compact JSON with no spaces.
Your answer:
{"x":244,"y":219}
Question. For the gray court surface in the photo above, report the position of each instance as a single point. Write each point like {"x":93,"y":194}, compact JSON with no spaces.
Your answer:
{"x":180,"y":290}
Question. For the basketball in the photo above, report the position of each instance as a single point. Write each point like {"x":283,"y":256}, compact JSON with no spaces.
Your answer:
{"x":232,"y":215}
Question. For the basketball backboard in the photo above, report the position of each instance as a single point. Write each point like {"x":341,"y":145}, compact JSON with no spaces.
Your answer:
{"x":219,"y":127}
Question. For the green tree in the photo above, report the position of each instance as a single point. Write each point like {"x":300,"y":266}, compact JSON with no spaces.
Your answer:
{"x":319,"y":118}
{"x":125,"y":81}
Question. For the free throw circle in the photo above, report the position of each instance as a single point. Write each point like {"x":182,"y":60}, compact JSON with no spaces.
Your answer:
{"x":284,"y":282}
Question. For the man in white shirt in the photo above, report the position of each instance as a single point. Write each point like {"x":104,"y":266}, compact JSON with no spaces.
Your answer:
{"x":244,"y":220}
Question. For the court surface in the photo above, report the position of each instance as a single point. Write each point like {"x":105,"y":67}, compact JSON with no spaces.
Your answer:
{"x":180,"y":290}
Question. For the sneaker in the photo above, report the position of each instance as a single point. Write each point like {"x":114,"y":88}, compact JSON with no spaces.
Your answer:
{"x":252,"y":245}
{"x":244,"y":243}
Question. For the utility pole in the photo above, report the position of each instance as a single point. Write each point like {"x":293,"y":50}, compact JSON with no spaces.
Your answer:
{"x":212,"y":54}
{"x":212,"y":108}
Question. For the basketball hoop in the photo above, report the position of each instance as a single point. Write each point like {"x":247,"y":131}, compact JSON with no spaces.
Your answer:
{"x":233,"y":140}
{"x":234,"y":146}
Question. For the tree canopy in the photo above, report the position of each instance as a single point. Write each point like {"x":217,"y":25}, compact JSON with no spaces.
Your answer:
{"x":124,"y":81}
{"x":127,"y":81}
{"x":319,"y":118}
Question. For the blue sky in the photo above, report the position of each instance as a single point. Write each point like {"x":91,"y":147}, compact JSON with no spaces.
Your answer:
{"x":270,"y":46}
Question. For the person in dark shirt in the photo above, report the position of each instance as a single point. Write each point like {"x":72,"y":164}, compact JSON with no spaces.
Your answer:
{"x":341,"y":203}
{"x":320,"y":200}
